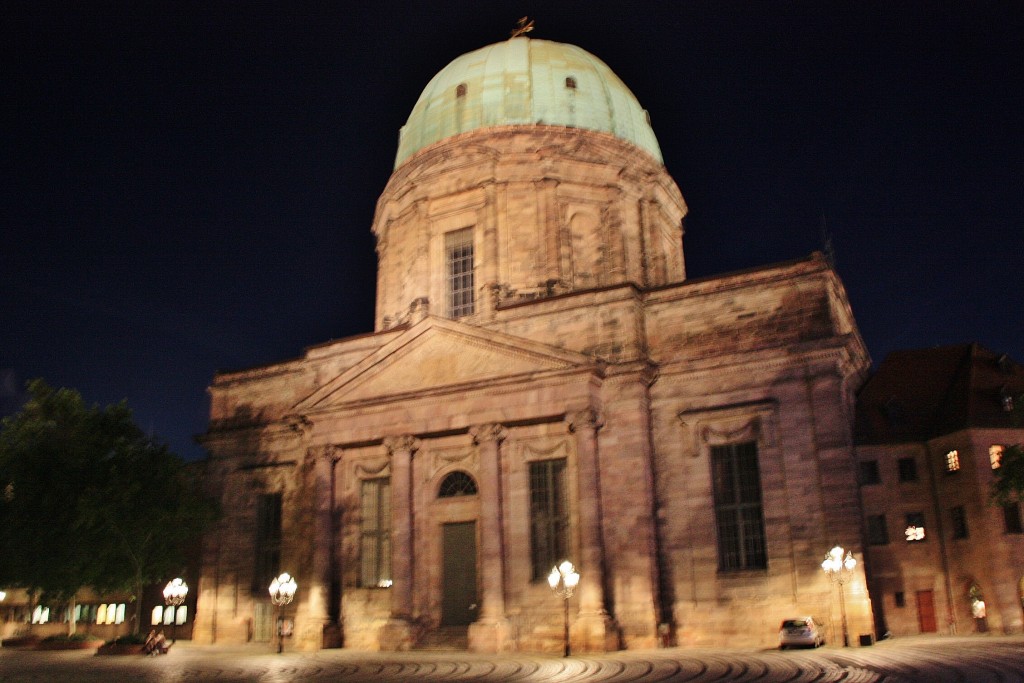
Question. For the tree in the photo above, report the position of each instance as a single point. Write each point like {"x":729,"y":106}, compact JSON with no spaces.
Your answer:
{"x":90,"y":500}
{"x":1008,"y":486}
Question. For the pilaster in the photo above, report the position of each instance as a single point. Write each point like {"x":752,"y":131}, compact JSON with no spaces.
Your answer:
{"x":398,"y":633}
{"x":491,"y":631}
{"x":594,"y":630}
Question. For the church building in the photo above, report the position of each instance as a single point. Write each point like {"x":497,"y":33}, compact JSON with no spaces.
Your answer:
{"x":543,"y":384}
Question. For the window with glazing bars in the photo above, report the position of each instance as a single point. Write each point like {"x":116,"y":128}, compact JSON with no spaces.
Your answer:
{"x":268,"y":541}
{"x":458,"y":248}
{"x":738,"y":514}
{"x":375,"y":533}
{"x":549,"y":516}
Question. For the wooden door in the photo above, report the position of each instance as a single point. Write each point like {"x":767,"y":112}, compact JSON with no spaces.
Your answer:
{"x":263,"y":622}
{"x":926,"y":611}
{"x":458,"y":591}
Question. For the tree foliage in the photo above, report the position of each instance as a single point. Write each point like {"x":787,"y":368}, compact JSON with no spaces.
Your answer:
{"x":1008,"y":486}
{"x":88,"y":499}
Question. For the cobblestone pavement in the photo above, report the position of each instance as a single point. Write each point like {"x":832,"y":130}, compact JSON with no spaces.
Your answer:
{"x":940,"y":659}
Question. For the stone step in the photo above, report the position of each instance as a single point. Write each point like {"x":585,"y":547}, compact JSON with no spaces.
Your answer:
{"x":445,"y":638}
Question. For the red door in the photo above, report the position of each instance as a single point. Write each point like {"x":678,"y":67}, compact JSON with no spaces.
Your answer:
{"x":926,"y":611}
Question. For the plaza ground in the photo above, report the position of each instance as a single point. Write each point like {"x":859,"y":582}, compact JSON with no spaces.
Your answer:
{"x":973,"y":658}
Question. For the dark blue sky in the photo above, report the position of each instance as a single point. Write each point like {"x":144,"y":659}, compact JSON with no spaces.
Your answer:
{"x":189,"y":187}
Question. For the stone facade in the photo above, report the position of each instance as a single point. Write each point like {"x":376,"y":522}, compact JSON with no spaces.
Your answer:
{"x":585,"y":349}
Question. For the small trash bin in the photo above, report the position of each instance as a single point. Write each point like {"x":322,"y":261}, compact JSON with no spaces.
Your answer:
{"x":866,"y":639}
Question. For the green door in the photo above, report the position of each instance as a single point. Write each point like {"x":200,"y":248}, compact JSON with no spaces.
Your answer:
{"x":459,"y":601}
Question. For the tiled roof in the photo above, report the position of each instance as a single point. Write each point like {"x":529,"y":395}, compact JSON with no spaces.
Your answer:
{"x":919,"y":394}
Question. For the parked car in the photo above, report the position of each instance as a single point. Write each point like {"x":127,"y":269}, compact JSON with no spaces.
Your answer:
{"x":800,"y":632}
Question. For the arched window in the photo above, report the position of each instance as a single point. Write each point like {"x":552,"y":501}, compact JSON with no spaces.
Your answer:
{"x":460,"y":90}
{"x":457,"y":484}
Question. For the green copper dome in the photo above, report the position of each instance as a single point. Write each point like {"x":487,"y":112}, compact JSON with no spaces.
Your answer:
{"x":525,"y":81}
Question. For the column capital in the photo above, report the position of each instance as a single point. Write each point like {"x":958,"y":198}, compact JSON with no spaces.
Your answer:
{"x":488,"y":432}
{"x":300,"y":424}
{"x":329,"y":452}
{"x":589,"y":417}
{"x":407,"y":443}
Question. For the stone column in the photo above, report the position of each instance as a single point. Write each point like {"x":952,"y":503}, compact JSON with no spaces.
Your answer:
{"x":594,"y":630}
{"x":491,"y":631}
{"x":320,"y":468}
{"x":397,"y":633}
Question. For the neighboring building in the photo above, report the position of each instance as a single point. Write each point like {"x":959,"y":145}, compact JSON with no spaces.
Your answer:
{"x":931,"y":424}
{"x":541,"y":384}
{"x":104,"y":615}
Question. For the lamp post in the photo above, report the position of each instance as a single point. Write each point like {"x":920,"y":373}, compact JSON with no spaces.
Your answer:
{"x":839,"y":565}
{"x":563,"y":580}
{"x":282,"y":590}
{"x":174,"y":595}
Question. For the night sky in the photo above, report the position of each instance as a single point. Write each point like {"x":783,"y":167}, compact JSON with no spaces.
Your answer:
{"x":189,"y":187}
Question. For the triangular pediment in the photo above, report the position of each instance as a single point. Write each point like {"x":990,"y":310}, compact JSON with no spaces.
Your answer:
{"x":437,"y":353}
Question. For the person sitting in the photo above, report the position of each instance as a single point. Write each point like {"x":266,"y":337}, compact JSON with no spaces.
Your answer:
{"x":160,"y":645}
{"x":147,"y":647}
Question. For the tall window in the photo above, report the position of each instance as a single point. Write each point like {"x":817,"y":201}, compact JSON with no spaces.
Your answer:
{"x":1011,"y":519}
{"x":959,"y":518}
{"x":869,"y":473}
{"x":878,"y":532}
{"x":375,"y":534}
{"x":458,"y":249}
{"x":995,"y":455}
{"x":915,"y":527}
{"x":953,"y":461}
{"x":738,"y":515}
{"x":268,"y":542}
{"x":907,"y":469}
{"x":549,"y":516}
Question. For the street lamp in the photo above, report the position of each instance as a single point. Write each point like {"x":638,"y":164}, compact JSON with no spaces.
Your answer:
{"x":839,"y":565}
{"x":563,"y":580}
{"x":174,"y":595}
{"x":282,"y":590}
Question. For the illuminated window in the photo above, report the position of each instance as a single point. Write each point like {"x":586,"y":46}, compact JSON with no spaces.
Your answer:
{"x":959,"y":518}
{"x":375,"y":533}
{"x":738,"y":514}
{"x":915,"y":527}
{"x":40,"y":615}
{"x":549,"y":516}
{"x":170,"y":615}
{"x":907,"y":469}
{"x":458,"y":247}
{"x":869,"y":473}
{"x":110,"y":613}
{"x":878,"y":533}
{"x":995,"y":455}
{"x":1011,"y":519}
{"x":953,"y":461}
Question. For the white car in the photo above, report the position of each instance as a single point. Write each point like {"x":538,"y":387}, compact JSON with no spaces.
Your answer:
{"x":800,"y":632}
